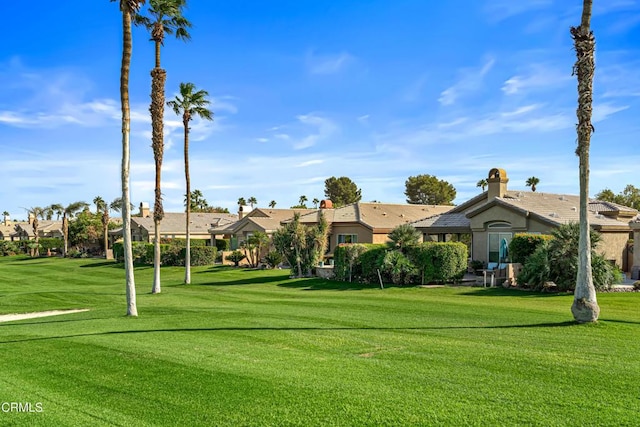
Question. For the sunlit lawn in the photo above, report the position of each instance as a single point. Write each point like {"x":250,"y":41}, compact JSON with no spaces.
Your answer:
{"x":255,"y":348}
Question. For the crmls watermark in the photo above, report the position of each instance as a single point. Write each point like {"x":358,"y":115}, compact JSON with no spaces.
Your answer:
{"x":21,"y":407}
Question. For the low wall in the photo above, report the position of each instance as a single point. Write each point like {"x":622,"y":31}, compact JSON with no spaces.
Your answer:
{"x":325,"y":272}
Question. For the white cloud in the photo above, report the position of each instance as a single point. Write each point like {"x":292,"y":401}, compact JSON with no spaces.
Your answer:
{"x":538,"y":77}
{"x":323,"y":128}
{"x":470,"y":81}
{"x":328,"y":64}
{"x":309,"y":163}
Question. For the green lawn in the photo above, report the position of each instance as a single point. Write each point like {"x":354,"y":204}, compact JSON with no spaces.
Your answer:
{"x":255,"y":348}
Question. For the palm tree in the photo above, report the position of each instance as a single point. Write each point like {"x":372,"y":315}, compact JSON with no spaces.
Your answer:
{"x":188,"y":104}
{"x":315,"y":202}
{"x":252,"y":201}
{"x":242,"y":202}
{"x":532,"y":182}
{"x":129,"y":8}
{"x":68,"y":213}
{"x":404,"y":236}
{"x":303,"y":200}
{"x":272,"y":204}
{"x":585,"y":305}
{"x":56,"y":208}
{"x":99,"y":202}
{"x":166,"y":18}
{"x":482,"y":184}
{"x":36,"y":212}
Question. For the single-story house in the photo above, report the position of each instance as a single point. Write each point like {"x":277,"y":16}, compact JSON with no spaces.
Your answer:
{"x":368,"y":222}
{"x":266,"y":220}
{"x":46,"y":229}
{"x":173,"y":225}
{"x":494,"y":216}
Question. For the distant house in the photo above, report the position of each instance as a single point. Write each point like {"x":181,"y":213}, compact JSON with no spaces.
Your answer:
{"x":266,"y":220}
{"x":498,"y":213}
{"x":46,"y":229}
{"x":368,"y":222}
{"x":173,"y":225}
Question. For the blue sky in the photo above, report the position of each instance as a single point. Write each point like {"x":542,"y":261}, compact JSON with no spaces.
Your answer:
{"x":375,"y":90}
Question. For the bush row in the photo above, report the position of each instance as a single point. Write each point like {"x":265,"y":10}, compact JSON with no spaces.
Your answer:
{"x":426,"y":262}
{"x":524,"y":244}
{"x":170,"y":254}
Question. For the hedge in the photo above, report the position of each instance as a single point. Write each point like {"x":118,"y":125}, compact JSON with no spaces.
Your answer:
{"x":170,"y":254}
{"x":51,"y":243}
{"x":439,"y":261}
{"x":524,"y":244}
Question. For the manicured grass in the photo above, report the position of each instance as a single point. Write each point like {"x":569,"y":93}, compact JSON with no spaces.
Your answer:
{"x":255,"y":348}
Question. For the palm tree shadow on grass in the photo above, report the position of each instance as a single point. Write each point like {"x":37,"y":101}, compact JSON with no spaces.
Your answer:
{"x":302,"y":329}
{"x":518,"y":293}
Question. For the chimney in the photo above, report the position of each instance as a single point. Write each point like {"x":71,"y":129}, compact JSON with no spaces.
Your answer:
{"x":6,"y":219}
{"x":497,"y":183}
{"x":31,"y":218}
{"x":240,"y":212}
{"x":144,"y":209}
{"x":326,"y":204}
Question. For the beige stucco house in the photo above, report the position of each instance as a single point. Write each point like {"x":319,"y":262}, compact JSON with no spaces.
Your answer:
{"x":46,"y":229}
{"x":368,"y":222}
{"x":498,"y":213}
{"x":173,"y":225}
{"x":266,"y":220}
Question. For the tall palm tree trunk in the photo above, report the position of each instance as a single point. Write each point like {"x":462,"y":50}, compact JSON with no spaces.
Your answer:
{"x":105,"y":230}
{"x":585,"y":305}
{"x":126,"y":203}
{"x":187,"y":256}
{"x":65,"y":235}
{"x":158,"y":78}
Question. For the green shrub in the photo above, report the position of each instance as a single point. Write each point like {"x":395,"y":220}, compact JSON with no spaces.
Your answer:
{"x":235,"y":257}
{"x":201,"y":255}
{"x":346,"y":261}
{"x":223,"y":244}
{"x":370,"y":261}
{"x":51,"y":243}
{"x":556,"y":260}
{"x":636,"y":285}
{"x":439,"y":261}
{"x":399,"y":268}
{"x":9,"y":248}
{"x":524,"y":244}
{"x":273,"y":259}
{"x":118,"y":251}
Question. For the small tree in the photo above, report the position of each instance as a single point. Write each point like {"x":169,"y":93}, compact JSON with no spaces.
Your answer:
{"x":341,"y":191}
{"x":272,"y":204}
{"x":482,"y":184}
{"x":403,"y":236}
{"x":429,"y":190}
{"x":532,"y":182}
{"x":235,"y":257}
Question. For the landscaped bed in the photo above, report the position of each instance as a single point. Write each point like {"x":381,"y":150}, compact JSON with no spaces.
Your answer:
{"x":243,"y":347}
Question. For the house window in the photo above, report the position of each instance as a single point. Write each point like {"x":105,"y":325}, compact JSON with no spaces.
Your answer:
{"x":498,"y":242}
{"x":347,"y":238}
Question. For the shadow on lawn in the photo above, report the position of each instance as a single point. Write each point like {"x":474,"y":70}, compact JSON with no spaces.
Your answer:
{"x":522,"y":293}
{"x":328,"y":285}
{"x":293,"y":329}
{"x":247,"y":281}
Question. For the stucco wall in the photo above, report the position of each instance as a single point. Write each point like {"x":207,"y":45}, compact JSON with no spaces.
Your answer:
{"x":612,"y":246}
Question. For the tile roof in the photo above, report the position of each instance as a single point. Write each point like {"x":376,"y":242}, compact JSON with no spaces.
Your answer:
{"x":267,"y":219}
{"x":175,"y":222}
{"x":377,"y":216}
{"x":554,"y":209}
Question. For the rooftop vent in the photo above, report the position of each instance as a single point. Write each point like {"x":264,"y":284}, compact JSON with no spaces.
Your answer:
{"x":519,"y":194}
{"x":573,"y":208}
{"x":554,"y":215}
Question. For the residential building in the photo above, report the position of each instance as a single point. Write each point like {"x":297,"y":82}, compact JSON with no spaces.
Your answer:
{"x":368,"y":222}
{"x":498,"y":213}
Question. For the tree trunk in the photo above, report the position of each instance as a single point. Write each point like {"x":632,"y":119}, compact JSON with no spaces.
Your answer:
{"x":105,"y":230}
{"x":585,"y":305}
{"x":65,"y":235}
{"x":187,"y":256}
{"x":126,"y":203}
{"x":158,"y":78}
